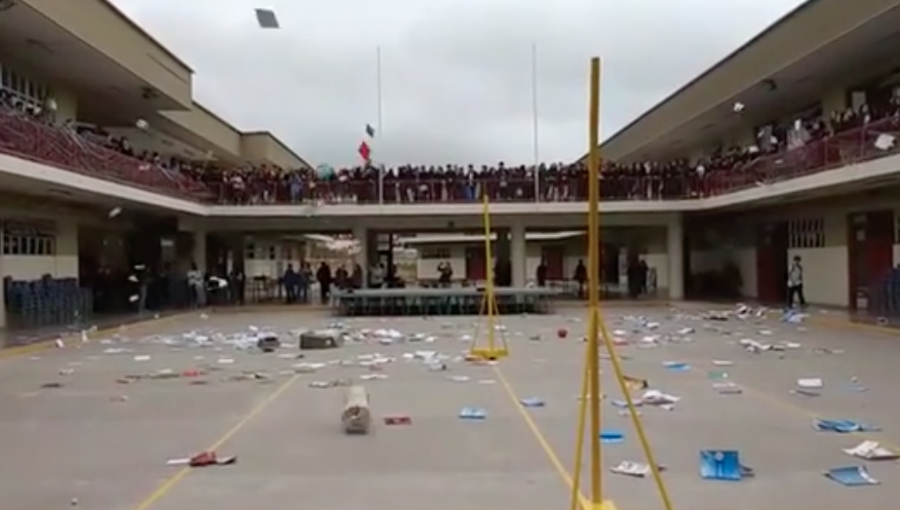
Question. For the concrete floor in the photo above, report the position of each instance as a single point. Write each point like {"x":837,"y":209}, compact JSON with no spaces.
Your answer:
{"x":84,"y":441}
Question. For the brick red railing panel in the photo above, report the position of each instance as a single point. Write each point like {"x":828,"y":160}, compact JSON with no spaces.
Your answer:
{"x":25,"y":137}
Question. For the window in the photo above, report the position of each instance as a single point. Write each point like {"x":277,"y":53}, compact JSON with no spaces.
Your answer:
{"x":435,"y":252}
{"x":250,"y":251}
{"x":24,"y":89}
{"x":806,"y":233}
{"x":37,"y":245}
{"x":29,"y":238}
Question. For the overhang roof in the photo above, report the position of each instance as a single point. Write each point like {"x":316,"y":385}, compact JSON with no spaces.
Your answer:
{"x":202,"y":128}
{"x":112,"y":39}
{"x":777,"y":55}
{"x":265,"y":147}
{"x":120,"y":73}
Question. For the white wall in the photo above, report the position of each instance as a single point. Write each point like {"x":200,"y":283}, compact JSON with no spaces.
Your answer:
{"x":826,"y":274}
{"x":426,"y":268}
{"x":270,"y":257}
{"x":574,"y":250}
{"x":63,"y":263}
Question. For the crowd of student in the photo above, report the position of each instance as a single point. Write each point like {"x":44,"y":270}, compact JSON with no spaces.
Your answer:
{"x":780,"y":152}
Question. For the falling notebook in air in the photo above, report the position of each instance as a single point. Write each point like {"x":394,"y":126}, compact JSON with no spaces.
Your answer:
{"x":266,"y":18}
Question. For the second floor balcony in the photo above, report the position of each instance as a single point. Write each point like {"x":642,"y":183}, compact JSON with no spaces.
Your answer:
{"x":27,"y":136}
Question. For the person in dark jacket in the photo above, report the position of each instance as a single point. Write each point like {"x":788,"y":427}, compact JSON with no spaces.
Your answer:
{"x":356,"y":279}
{"x":541,"y":274}
{"x":290,"y":281}
{"x":580,"y":277}
{"x":643,"y":274}
{"x":323,"y":276}
{"x":304,"y":279}
{"x":236,"y":285}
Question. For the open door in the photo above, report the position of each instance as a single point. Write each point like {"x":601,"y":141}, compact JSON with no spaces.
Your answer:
{"x":609,"y":273}
{"x":772,"y":262}
{"x":476,"y":269}
{"x":870,"y":254}
{"x":554,"y":256}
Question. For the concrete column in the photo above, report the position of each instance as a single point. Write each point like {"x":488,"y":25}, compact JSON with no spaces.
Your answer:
{"x":518,"y":256}
{"x":198,"y":255}
{"x":371,"y":246}
{"x":501,"y":246}
{"x":2,"y":302}
{"x":361,"y":234}
{"x":675,"y":252}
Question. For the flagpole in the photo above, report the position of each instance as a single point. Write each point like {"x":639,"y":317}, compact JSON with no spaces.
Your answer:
{"x":534,"y":122}
{"x":379,"y":120}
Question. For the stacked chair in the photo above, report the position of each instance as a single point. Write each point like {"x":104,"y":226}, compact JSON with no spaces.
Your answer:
{"x":46,"y":302}
{"x":884,"y":296}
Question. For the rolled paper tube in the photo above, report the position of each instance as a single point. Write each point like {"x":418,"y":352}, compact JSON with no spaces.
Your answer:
{"x":356,"y":416}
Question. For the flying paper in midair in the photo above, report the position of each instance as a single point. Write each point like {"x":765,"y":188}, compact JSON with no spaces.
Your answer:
{"x":266,"y":18}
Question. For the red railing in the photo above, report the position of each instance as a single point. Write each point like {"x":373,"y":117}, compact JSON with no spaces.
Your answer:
{"x":515,"y":189}
{"x":850,"y":147}
{"x":24,"y":137}
{"x":29,"y":138}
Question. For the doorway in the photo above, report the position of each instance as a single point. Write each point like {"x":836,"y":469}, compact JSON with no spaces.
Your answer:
{"x":554,"y":257}
{"x":870,"y":253}
{"x":475,"y":264}
{"x":772,"y":262}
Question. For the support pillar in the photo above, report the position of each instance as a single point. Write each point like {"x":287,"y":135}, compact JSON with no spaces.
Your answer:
{"x":361,"y":234}
{"x":2,"y":302}
{"x":502,"y":243}
{"x":518,"y":256}
{"x":371,"y":247}
{"x":675,"y":252}
{"x":237,"y":267}
{"x":198,"y":254}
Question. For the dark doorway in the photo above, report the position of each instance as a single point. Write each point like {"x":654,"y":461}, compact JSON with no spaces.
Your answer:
{"x":772,"y":262}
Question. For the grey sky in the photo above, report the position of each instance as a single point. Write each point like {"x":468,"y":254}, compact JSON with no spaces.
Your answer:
{"x":456,"y":74}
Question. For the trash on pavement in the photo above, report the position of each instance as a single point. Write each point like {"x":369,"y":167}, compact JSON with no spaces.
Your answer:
{"x":203,"y":459}
{"x":723,"y":465}
{"x":872,"y":450}
{"x":635,"y":469}
{"x":851,"y":476}
{"x":843,"y":426}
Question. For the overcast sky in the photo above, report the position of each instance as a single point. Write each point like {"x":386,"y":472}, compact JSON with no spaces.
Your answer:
{"x":456,"y":74}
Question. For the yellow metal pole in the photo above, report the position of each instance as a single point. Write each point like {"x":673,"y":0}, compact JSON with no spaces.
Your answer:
{"x":576,"y":499}
{"x":489,"y":297}
{"x":594,"y":283}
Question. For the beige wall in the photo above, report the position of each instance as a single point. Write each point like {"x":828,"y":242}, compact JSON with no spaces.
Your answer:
{"x":66,"y":103}
{"x":270,"y":257}
{"x":264,"y":148}
{"x":650,"y":243}
{"x":826,"y":274}
{"x":208,"y":126}
{"x":61,"y":263}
